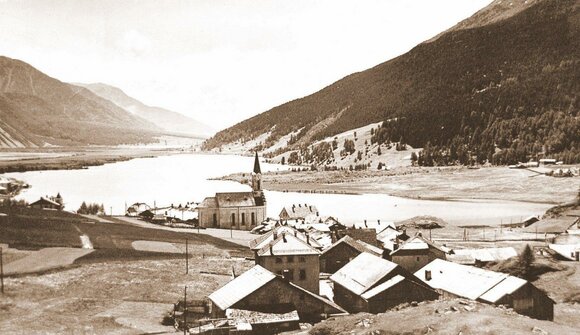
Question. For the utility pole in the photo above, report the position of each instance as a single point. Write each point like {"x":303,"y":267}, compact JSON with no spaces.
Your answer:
{"x":186,"y":257}
{"x":1,"y":272}
{"x":185,"y":311}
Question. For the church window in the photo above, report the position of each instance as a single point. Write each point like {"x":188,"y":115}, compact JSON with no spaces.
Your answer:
{"x":243,"y":218}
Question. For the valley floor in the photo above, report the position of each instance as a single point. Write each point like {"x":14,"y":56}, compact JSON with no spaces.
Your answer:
{"x":437,"y":183}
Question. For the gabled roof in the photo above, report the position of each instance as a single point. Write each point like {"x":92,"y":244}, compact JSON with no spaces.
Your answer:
{"x":461,"y":280}
{"x":235,"y":199}
{"x":240,"y":287}
{"x":287,"y":244}
{"x":300,"y":211}
{"x":383,"y":287}
{"x":363,"y":272}
{"x":507,"y":286}
{"x":417,"y":242}
{"x":249,"y":282}
{"x":553,"y":225}
{"x":43,"y":200}
{"x":262,"y":240}
{"x":356,"y":244}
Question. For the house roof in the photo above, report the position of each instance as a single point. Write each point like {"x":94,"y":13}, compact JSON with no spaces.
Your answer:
{"x":507,"y":286}
{"x":235,"y":199}
{"x":417,"y":242}
{"x":383,"y":287}
{"x":356,"y":244}
{"x":209,"y":202}
{"x":363,"y":272}
{"x":488,"y":254}
{"x":240,"y":287}
{"x":300,"y":211}
{"x":287,"y":244}
{"x":249,"y":282}
{"x":262,"y":240}
{"x":553,"y":225}
{"x":461,"y":280}
{"x":377,"y":225}
{"x":44,"y":200}
{"x":566,"y":250}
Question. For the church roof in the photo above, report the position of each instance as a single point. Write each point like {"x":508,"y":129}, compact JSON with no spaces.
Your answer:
{"x":257,"y":164}
{"x":235,"y":199}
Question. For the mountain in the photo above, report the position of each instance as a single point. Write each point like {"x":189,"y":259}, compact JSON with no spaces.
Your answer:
{"x":37,"y":110}
{"x":163,"y":118}
{"x":501,"y":86}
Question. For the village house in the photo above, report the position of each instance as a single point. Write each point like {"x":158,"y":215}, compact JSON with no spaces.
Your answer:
{"x":298,"y":212}
{"x":481,"y":256}
{"x":263,"y":240}
{"x":292,"y":257}
{"x":367,"y":235}
{"x":55,"y":203}
{"x":416,"y":253}
{"x":557,"y":225}
{"x":235,"y":210}
{"x":372,"y":284}
{"x":391,"y":238}
{"x":455,"y":280}
{"x":263,"y":291}
{"x":344,"y":251}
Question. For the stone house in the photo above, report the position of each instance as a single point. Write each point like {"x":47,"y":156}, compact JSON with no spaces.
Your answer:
{"x":344,"y":251}
{"x":416,"y":252}
{"x":370,"y":283}
{"x":261,"y":290}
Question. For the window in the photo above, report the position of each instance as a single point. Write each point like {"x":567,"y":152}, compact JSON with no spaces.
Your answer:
{"x":302,"y":259}
{"x":417,"y":259}
{"x":290,"y":259}
{"x":302,"y":274}
{"x":290,"y":274}
{"x":214,"y":219}
{"x":278,"y":260}
{"x":233,"y":218}
{"x":243,"y":218}
{"x":253,"y":218}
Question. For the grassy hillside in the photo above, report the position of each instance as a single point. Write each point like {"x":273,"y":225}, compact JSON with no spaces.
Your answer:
{"x":36,"y":109}
{"x":507,"y":82}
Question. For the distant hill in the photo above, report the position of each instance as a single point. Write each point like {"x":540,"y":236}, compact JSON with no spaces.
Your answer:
{"x":500,"y":86}
{"x":37,"y":110}
{"x":163,"y":118}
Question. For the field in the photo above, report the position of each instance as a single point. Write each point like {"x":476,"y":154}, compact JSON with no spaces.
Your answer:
{"x":114,"y":289}
{"x":496,"y":183}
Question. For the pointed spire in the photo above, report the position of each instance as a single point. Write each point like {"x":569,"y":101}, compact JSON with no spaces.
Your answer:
{"x":257,"y":165}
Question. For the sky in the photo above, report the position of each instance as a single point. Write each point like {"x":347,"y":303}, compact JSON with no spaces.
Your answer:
{"x":218,"y":61}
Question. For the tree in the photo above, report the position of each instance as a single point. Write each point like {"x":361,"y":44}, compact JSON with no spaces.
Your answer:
{"x":414,"y":158}
{"x":526,"y":260}
{"x":283,"y":161}
{"x":83,"y":209}
{"x":379,"y":150}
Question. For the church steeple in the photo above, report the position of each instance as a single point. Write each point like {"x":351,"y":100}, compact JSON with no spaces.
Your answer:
{"x":257,"y":176}
{"x":257,"y":165}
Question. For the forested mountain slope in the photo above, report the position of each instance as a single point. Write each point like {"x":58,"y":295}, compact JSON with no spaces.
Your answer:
{"x":501,"y":86}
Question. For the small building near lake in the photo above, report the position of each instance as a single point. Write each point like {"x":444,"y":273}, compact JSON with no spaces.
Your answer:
{"x":455,"y":280}
{"x":48,"y":203}
{"x":342,"y":252}
{"x":416,"y":252}
{"x":235,"y":210}
{"x":372,"y":284}
{"x":263,"y":291}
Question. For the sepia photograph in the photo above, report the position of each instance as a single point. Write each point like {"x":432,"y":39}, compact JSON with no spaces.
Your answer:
{"x":292,"y":167}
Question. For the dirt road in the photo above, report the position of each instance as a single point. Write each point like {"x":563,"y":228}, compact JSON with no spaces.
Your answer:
{"x":44,"y":260}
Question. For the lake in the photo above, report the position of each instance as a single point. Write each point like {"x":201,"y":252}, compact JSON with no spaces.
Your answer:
{"x":178,"y":179}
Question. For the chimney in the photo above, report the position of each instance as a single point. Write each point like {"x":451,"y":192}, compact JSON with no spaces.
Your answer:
{"x":427,"y":275}
{"x":317,"y":214}
{"x":284,"y":237}
{"x":308,"y":239}
{"x":299,"y":205}
{"x":379,"y":222}
{"x":296,"y":233}
{"x":275,"y":234}
{"x":366,"y":224}
{"x":286,"y":275}
{"x":405,"y":231}
{"x":271,"y":250}
{"x":310,"y":208}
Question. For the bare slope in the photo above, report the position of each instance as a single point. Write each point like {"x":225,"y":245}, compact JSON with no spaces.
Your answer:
{"x":37,"y":110}
{"x":163,"y":118}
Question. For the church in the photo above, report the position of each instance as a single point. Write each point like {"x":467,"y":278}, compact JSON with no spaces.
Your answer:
{"x":235,"y":210}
